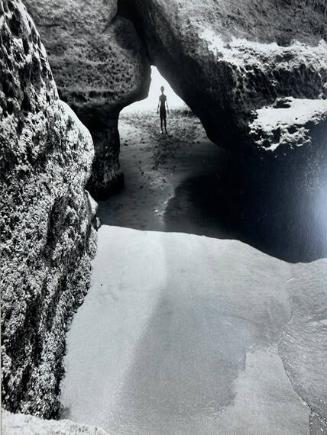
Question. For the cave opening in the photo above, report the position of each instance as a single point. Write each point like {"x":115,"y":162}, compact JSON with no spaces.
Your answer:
{"x":149,"y":104}
{"x":170,"y":180}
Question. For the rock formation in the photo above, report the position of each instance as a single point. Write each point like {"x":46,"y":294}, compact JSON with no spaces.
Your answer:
{"x":99,"y":66}
{"x":18,"y":424}
{"x":229,"y":59}
{"x":47,"y":238}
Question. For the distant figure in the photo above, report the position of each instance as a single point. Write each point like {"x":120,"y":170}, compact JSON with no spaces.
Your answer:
{"x":162,"y":105}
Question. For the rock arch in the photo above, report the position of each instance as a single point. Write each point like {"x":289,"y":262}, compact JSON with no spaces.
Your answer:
{"x":230,"y":62}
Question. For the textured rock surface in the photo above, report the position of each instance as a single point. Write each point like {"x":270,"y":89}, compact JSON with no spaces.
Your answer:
{"x":289,"y":123}
{"x":293,"y":131}
{"x":99,"y":66}
{"x":227,"y":59}
{"x":20,"y":424}
{"x":47,"y":239}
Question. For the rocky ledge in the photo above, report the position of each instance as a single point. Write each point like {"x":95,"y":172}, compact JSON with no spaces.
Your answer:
{"x":47,"y":237}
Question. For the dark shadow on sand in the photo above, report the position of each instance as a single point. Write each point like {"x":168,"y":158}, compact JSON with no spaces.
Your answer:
{"x":285,"y":225}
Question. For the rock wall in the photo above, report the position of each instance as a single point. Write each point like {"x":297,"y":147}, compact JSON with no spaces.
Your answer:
{"x":100,"y":66}
{"x":228,"y":59}
{"x":47,"y":238}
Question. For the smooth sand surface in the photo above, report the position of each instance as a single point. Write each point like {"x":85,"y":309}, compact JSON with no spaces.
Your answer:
{"x":181,"y":334}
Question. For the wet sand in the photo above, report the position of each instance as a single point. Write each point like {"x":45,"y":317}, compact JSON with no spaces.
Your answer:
{"x":181,"y":334}
{"x":182,"y":182}
{"x":156,"y":166}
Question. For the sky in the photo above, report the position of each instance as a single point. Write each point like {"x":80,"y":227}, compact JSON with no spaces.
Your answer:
{"x":151,"y":102}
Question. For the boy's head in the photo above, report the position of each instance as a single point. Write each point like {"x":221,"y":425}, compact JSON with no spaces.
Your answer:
{"x":162,"y":89}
